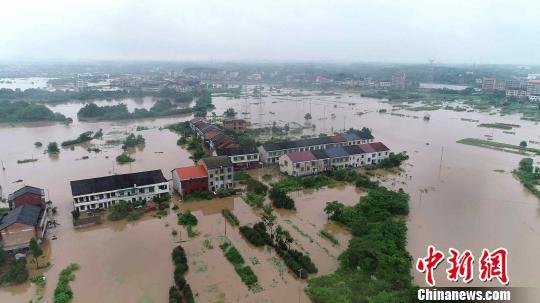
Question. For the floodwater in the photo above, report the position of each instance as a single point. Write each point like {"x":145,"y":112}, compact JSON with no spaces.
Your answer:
{"x":25,"y":83}
{"x":459,"y":201}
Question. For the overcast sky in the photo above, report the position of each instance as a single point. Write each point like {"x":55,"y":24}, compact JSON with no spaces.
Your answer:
{"x":449,"y":31}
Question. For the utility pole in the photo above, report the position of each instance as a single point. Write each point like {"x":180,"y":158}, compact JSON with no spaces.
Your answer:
{"x":300,"y":285}
{"x":225,"y":221}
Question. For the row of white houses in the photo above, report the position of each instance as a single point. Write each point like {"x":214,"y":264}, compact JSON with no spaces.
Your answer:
{"x":304,"y":163}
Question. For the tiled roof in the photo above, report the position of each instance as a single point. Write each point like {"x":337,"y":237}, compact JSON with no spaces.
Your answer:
{"x":216,"y":162}
{"x":115,"y":182}
{"x":379,"y":146}
{"x":367,"y":148}
{"x":336,"y":152}
{"x":25,"y":214}
{"x":211,"y":134}
{"x":337,"y":138}
{"x":26,"y":189}
{"x":353,"y":149}
{"x":191,"y":172}
{"x":301,"y":156}
{"x":195,"y":120}
{"x":236,"y":151}
{"x":350,"y":136}
{"x":320,"y":154}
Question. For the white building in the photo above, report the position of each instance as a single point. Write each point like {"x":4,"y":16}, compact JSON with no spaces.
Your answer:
{"x":102,"y":192}
{"x":220,"y":172}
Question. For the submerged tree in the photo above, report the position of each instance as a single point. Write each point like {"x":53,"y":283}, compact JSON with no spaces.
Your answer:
{"x":35,"y":250}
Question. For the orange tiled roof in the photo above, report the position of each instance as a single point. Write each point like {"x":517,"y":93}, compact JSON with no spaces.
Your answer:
{"x":191,"y":172}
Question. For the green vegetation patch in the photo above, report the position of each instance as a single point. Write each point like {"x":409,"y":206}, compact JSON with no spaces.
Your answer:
{"x":63,"y":292}
{"x":529,"y":175}
{"x":498,"y":145}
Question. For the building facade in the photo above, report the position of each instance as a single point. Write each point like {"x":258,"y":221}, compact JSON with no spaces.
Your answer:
{"x":102,"y":192}
{"x":241,"y":157}
{"x":220,"y":172}
{"x":318,"y":161}
{"x":22,"y":224}
{"x":236,"y":125}
{"x":27,"y":195}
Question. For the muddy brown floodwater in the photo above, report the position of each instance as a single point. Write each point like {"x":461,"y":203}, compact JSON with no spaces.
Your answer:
{"x":458,"y":202}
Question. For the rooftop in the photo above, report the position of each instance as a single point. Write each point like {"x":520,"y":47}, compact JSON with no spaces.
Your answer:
{"x":301,"y":156}
{"x":191,"y":172}
{"x":25,"y":214}
{"x":115,"y":182}
{"x":26,"y":189}
{"x":216,"y":162}
{"x":236,"y":151}
{"x":336,"y":152}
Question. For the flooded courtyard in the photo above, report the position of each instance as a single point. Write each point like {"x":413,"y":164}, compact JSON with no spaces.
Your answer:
{"x":462,"y":196}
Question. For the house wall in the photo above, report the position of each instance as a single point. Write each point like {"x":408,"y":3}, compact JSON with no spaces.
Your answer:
{"x":193,"y":185}
{"x":18,"y":235}
{"x":106,"y":199}
{"x":28,"y":198}
{"x":220,"y":178}
{"x":245,"y":161}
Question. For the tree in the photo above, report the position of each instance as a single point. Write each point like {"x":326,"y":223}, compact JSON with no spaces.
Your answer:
{"x":35,"y":250}
{"x":269,"y":218}
{"x":230,"y":113}
{"x":523,"y":144}
{"x":307,"y":116}
{"x":52,"y":148}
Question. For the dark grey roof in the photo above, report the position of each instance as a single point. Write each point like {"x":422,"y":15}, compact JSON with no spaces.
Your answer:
{"x":320,"y":154}
{"x":236,"y":151}
{"x":216,"y":162}
{"x":26,"y":189}
{"x":336,"y":152}
{"x":353,"y":149}
{"x":273,"y":146}
{"x":115,"y":182}
{"x":25,"y":214}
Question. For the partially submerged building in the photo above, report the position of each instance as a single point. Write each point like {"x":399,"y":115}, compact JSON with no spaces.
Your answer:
{"x":241,"y":157}
{"x":271,"y":152}
{"x":22,"y":224}
{"x":102,"y":192}
{"x":27,"y":195}
{"x":220,"y":172}
{"x":310,"y":162}
{"x":190,"y":179}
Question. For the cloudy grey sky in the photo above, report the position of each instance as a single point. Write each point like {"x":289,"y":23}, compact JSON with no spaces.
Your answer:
{"x":449,"y":31}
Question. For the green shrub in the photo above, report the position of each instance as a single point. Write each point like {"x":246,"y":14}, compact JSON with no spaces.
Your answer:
{"x":174,"y":295}
{"x":16,"y":273}
{"x":254,"y":200}
{"x":280,"y":199}
{"x":253,"y":236}
{"x":234,"y":256}
{"x":187,"y":218}
{"x":230,"y":217}
{"x":256,"y":187}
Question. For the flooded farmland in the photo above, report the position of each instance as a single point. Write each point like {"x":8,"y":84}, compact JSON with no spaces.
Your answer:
{"x":457,"y":196}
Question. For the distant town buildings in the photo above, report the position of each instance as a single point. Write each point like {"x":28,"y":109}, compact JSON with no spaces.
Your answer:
{"x":488,"y":84}
{"x":102,"y":192}
{"x":398,"y":80}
